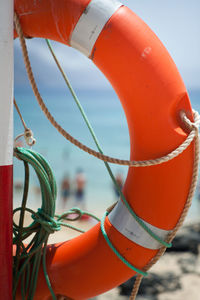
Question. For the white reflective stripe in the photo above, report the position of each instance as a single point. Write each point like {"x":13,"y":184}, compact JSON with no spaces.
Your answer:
{"x":6,"y":82}
{"x":91,"y":23}
{"x":124,"y":222}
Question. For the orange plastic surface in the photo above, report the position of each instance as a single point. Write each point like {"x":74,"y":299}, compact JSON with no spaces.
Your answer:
{"x":152,"y":94}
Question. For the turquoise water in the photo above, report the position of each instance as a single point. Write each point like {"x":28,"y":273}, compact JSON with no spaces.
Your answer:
{"x":106,"y":116}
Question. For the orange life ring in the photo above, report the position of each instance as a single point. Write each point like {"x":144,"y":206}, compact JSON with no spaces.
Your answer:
{"x":152,"y":94}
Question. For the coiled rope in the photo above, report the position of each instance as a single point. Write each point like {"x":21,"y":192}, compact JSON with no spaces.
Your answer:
{"x":28,"y":258}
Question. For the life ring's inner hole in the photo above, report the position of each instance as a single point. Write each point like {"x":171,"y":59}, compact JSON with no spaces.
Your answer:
{"x":101,"y":105}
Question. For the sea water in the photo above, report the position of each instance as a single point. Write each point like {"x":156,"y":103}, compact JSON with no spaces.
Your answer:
{"x":108,"y":120}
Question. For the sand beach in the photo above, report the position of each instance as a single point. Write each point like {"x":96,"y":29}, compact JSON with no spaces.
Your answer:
{"x":176,"y":276}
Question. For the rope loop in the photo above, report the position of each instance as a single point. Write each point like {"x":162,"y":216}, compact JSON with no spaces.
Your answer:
{"x":73,"y":214}
{"x":25,"y":228}
{"x":28,"y":136}
{"x":191,"y":125}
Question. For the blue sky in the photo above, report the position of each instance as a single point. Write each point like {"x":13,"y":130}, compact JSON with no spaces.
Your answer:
{"x":176,"y":23}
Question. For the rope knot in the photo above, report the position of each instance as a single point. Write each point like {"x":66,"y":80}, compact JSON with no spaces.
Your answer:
{"x":28,"y":135}
{"x":191,"y":125}
{"x":48,"y":223}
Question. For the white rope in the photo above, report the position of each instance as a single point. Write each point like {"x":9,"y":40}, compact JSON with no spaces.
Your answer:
{"x":193,"y":127}
{"x":28,"y":134}
{"x":143,"y":163}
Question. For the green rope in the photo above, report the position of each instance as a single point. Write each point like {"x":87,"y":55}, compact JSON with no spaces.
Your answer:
{"x":115,"y":250}
{"x":141,"y":223}
{"x":28,"y":258}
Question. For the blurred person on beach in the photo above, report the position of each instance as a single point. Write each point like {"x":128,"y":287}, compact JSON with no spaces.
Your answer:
{"x":65,"y":190}
{"x":120,"y":183}
{"x":80,"y":182}
{"x":18,"y":185}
